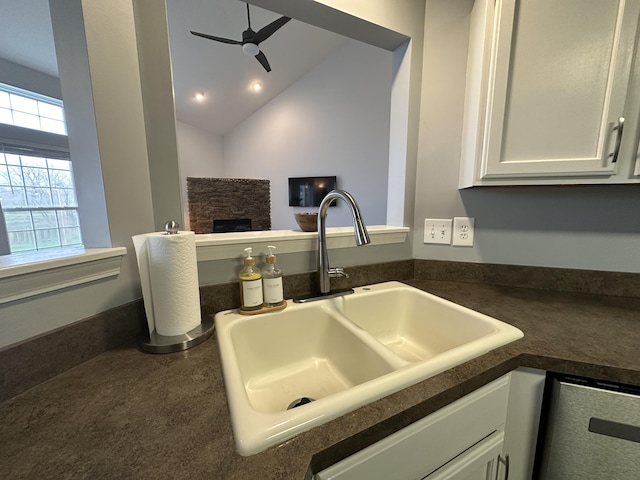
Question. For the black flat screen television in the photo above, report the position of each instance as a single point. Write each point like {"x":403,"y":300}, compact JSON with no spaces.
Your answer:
{"x":309,"y":191}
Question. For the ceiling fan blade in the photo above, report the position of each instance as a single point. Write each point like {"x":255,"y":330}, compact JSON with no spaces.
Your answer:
{"x":263,"y":61}
{"x":217,"y":39}
{"x":267,"y":31}
{"x":248,"y":17}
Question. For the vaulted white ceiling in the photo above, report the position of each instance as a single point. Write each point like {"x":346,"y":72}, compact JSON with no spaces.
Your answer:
{"x":26,"y":37}
{"x":221,"y":71}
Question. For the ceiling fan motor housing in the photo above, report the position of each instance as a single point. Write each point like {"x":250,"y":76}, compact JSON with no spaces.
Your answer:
{"x":251,"y":39}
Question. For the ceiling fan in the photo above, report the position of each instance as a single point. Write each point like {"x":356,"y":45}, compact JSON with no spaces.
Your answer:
{"x":251,"y":39}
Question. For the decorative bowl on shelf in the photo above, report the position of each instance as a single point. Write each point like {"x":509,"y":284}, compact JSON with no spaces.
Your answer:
{"x":308,"y":222}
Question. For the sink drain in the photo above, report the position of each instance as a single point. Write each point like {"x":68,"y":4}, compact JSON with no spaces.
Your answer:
{"x":299,"y":402}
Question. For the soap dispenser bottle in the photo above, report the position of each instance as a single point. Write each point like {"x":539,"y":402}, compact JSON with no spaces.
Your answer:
{"x":250,"y":284}
{"x":272,"y":281}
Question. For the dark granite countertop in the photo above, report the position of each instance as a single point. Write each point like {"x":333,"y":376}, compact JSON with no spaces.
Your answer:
{"x":127,"y":414}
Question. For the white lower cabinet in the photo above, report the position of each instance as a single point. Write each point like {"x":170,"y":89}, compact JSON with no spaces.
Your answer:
{"x":466,"y":440}
{"x":523,"y":417}
{"x":480,"y":462}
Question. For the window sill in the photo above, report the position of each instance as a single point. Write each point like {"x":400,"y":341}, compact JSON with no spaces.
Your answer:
{"x":220,"y":246}
{"x":25,"y":275}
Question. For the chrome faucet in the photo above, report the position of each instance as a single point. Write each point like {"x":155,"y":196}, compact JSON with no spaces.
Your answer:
{"x":325,"y":273}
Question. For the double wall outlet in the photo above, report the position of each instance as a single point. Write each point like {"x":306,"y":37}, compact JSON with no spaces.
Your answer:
{"x":444,"y":231}
{"x":463,"y":231}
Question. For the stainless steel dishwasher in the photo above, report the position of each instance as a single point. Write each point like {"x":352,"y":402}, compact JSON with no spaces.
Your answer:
{"x":592,"y":431}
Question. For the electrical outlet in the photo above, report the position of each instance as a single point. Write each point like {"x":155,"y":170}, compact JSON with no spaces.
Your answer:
{"x":463,"y":231}
{"x":437,"y":230}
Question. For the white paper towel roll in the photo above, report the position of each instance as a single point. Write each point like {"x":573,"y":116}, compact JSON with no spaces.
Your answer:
{"x":169,"y":277}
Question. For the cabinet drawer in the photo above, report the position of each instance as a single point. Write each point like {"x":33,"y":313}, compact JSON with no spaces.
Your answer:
{"x":429,"y":443}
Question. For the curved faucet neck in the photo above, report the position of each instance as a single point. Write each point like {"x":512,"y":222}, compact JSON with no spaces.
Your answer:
{"x":360,"y":232}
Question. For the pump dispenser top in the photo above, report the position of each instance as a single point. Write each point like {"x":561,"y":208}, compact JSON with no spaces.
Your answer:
{"x":271,"y":258}
{"x":249,"y":260}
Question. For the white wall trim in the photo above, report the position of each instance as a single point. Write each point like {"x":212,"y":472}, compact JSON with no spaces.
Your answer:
{"x":29,"y":274}
{"x":221,"y":246}
{"x":34,"y":273}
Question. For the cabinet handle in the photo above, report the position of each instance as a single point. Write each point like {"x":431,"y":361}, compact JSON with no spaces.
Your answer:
{"x":619,"y":127}
{"x":505,"y":462}
{"x":614,"y":429}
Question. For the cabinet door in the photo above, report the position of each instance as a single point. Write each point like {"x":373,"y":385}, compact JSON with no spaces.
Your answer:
{"x":557,"y":85}
{"x":523,"y":417}
{"x":480,"y":462}
{"x":429,"y":443}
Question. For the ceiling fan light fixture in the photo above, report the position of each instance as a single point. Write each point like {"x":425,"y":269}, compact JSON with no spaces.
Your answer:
{"x":250,"y":49}
{"x":250,"y":39}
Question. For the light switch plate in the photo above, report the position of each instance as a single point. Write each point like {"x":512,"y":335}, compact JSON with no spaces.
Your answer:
{"x":463,"y":231}
{"x":437,"y":230}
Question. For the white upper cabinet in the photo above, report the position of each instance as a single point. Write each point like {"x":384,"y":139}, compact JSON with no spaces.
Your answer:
{"x":552,"y":93}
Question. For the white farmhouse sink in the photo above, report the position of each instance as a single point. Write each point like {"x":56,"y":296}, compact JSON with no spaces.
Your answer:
{"x":341,"y":353}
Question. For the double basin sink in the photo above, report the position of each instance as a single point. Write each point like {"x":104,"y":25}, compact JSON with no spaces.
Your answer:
{"x":288,"y":371}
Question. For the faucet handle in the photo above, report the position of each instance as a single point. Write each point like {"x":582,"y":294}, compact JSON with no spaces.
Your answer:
{"x":337,"y":272}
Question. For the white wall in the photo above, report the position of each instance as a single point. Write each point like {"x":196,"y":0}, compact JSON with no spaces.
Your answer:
{"x":32,"y":80}
{"x":156,"y":84}
{"x":332,"y":121}
{"x":80,"y":116}
{"x":115,"y":81}
{"x":587,"y":227}
{"x":200,"y":154}
{"x":396,"y":26}
{"x":577,"y":227}
{"x":118,"y":114}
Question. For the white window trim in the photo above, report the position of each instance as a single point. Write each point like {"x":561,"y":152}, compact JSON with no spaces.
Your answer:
{"x":28,"y":274}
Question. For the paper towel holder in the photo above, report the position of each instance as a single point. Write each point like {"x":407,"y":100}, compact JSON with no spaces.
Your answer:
{"x":156,"y":343}
{"x":171,"y":227}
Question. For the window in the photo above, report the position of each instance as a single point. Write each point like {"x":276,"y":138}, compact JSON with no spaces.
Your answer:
{"x":30,"y":110}
{"x":37,"y":190}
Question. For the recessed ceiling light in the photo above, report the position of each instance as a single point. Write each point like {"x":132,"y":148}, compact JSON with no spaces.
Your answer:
{"x":199,"y":96}
{"x":256,"y":86}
